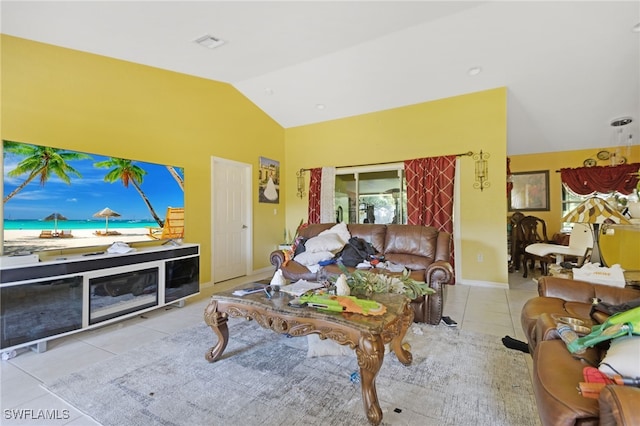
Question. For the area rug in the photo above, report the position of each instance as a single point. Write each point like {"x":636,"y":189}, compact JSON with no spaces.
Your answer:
{"x":457,"y":378}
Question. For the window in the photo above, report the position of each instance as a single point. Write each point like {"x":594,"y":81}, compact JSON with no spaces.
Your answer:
{"x":371,"y":194}
{"x":570,"y":201}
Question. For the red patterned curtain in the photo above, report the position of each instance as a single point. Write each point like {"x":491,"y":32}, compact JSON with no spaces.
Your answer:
{"x":587,"y":180}
{"x":430,"y":193}
{"x":314,"y":195}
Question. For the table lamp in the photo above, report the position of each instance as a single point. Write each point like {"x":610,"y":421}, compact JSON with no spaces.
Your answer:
{"x":595,"y":211}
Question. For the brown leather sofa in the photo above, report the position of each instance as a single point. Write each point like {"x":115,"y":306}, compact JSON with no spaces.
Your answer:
{"x":423,"y":250}
{"x":556,"y":372}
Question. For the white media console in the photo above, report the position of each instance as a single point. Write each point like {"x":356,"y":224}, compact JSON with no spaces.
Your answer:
{"x":62,"y":294}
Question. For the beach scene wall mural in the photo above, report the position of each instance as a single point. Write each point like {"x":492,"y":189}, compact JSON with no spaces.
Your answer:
{"x":55,"y":199}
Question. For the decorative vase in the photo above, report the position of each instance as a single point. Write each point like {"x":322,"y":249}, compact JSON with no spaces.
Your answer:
{"x":342,"y":288}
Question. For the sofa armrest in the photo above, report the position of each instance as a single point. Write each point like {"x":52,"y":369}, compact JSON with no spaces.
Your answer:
{"x":618,"y":405}
{"x":584,"y":292}
{"x":293,"y":270}
{"x":438,"y":273}
{"x":277,"y":258}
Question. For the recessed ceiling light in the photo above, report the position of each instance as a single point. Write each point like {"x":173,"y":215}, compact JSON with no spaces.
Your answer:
{"x":474,"y":71}
{"x":209,"y":41}
{"x":320,"y":106}
{"x":636,"y":28}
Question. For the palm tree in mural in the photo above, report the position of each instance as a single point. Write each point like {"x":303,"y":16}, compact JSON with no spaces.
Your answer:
{"x":127,"y":172}
{"x":177,"y":176}
{"x":41,"y":162}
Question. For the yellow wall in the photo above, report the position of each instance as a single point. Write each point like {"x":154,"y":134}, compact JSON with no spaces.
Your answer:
{"x":444,"y":127}
{"x":73,"y":100}
{"x":69,"y":99}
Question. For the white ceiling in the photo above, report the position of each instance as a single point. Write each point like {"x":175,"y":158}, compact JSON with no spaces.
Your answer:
{"x":570,"y":67}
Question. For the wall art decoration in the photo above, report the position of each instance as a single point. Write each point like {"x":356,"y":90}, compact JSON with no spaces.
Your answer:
{"x":530,"y":191}
{"x":269,"y":181}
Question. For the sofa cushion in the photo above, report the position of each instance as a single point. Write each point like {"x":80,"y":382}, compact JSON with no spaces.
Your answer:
{"x":314,"y":229}
{"x":541,"y":309}
{"x":371,"y":233}
{"x":414,"y":242}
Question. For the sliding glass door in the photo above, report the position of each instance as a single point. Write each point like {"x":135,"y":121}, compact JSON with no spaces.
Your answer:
{"x":371,"y":195}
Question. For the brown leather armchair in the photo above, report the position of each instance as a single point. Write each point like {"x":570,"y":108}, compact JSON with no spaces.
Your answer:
{"x":556,"y":372}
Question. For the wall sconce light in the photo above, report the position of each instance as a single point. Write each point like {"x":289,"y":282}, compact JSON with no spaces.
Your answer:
{"x":300,"y":181}
{"x":482,"y":170}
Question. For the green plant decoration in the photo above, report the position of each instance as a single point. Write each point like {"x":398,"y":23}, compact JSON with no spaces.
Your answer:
{"x":365,"y":283}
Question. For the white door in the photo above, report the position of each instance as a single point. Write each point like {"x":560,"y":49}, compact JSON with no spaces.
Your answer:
{"x":231,"y":219}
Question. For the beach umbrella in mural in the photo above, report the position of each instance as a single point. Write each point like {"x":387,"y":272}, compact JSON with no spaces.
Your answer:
{"x":55,"y":217}
{"x":107,"y":213}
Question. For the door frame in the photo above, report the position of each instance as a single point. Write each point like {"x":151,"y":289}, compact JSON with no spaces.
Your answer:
{"x":248,"y":191}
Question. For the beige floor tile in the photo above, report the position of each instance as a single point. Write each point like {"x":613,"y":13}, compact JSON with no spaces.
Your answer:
{"x":17,"y":387}
{"x":60,"y":359}
{"x":488,"y":328}
{"x":486,"y":306}
{"x":120,"y":338}
{"x":479,"y":309}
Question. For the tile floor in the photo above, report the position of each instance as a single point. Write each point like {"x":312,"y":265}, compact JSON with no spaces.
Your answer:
{"x":483,"y":309}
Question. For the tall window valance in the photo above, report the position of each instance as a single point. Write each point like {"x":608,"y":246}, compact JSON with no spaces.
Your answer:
{"x":604,"y":179}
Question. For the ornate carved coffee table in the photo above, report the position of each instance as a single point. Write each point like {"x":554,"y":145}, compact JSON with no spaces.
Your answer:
{"x":367,"y":335}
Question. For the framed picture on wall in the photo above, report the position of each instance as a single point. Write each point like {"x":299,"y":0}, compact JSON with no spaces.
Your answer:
{"x":530,"y":191}
{"x":269,"y":181}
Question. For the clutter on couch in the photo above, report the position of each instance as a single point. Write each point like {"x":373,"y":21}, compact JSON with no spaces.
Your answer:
{"x":422,"y":250}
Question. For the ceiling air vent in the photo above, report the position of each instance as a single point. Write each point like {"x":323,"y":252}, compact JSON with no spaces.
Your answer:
{"x":209,"y":41}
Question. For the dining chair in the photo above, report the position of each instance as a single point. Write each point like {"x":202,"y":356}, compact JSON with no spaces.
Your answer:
{"x":580,"y":244}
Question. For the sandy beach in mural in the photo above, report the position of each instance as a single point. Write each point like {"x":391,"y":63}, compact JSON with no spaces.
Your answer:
{"x":29,"y":240}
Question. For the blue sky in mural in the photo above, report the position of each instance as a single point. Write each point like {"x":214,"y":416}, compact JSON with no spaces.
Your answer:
{"x":88,"y":194}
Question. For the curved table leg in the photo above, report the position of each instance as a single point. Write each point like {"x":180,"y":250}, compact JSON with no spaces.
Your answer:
{"x":370,"y":353}
{"x":403,"y":355}
{"x":218,"y":323}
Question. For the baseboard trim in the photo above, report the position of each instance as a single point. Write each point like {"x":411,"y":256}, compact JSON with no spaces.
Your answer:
{"x":476,"y":283}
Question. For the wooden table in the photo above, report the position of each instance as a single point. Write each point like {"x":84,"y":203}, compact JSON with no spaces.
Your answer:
{"x":367,"y":335}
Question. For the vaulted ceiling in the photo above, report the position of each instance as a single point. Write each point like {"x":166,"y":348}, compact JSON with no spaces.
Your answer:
{"x":570,"y":67}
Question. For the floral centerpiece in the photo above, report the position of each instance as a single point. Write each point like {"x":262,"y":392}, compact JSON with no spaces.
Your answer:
{"x":366,"y":283}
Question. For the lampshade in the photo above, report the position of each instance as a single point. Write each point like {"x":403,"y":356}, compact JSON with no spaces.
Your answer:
{"x":595,"y":210}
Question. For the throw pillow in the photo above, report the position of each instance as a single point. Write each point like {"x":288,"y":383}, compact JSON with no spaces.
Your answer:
{"x":327,"y":242}
{"x":318,"y":347}
{"x":309,"y":258}
{"x":623,"y":357}
{"x":340,"y":229}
